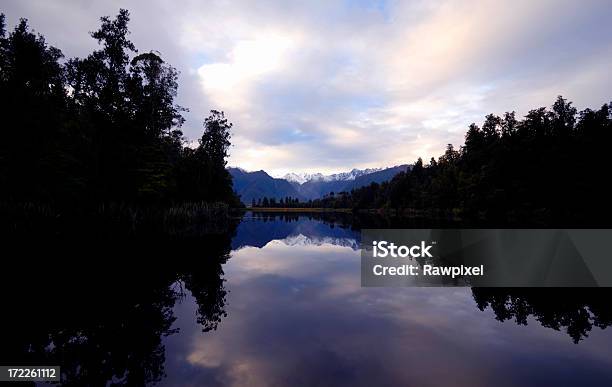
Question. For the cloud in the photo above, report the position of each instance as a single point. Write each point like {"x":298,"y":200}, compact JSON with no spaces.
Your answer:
{"x":331,"y":85}
{"x":297,"y":315}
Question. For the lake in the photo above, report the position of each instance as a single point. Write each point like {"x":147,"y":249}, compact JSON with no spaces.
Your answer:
{"x":277,"y":301}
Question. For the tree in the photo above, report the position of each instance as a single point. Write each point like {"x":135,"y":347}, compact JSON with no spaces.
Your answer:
{"x":508,"y":124}
{"x":104,"y":128}
{"x":563,"y":116}
{"x":127,"y":109}
{"x":490,"y":127}
{"x":212,"y":153}
{"x":34,"y":159}
{"x":99,"y":85}
{"x":152,"y":88}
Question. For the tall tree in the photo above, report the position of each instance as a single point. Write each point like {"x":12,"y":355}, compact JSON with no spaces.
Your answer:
{"x":213,"y":149}
{"x":152,"y":88}
{"x":104,"y":128}
{"x":99,"y":88}
{"x":203,"y":173}
{"x":32,"y":114}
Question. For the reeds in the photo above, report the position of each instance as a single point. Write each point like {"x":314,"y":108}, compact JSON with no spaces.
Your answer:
{"x":115,"y":219}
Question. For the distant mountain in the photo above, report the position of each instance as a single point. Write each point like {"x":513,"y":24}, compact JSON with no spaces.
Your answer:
{"x":302,"y":178}
{"x":316,"y":188}
{"x":378,"y":176}
{"x":256,"y":185}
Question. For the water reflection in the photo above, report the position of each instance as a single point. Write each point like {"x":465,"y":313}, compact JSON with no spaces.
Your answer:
{"x":298,"y":316}
{"x":574,"y":311}
{"x":257,"y":230}
{"x":102,"y":312}
{"x":277,"y":301}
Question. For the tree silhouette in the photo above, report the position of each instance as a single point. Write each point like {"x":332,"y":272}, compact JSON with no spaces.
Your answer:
{"x":34,"y":144}
{"x":99,"y":129}
{"x":545,"y":169}
{"x":203,"y":175}
{"x":576,"y":311}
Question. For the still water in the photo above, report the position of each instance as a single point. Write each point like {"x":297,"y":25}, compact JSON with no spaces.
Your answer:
{"x":279,"y":303}
{"x":296,"y":315}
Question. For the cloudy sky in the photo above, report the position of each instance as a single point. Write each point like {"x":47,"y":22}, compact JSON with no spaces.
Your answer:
{"x":327,"y":86}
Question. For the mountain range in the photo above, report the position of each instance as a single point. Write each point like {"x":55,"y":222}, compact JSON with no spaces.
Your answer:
{"x":259,"y":184}
{"x":302,"y":178}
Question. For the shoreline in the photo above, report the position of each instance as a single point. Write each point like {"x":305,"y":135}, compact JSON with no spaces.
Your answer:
{"x":297,"y":209}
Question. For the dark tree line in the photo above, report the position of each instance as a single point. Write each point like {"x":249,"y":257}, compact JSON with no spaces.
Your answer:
{"x":286,"y":202}
{"x":104,"y":128}
{"x":330,"y":200}
{"x":576,"y":311}
{"x":548,"y":167}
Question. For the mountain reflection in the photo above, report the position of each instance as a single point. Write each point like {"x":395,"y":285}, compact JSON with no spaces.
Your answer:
{"x":258,"y":229}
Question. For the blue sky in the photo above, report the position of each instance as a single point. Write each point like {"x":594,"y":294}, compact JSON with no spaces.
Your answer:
{"x":327,"y":86}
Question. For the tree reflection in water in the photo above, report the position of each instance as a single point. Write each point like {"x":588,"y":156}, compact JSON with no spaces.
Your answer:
{"x":573,"y":310}
{"x":101,"y":316}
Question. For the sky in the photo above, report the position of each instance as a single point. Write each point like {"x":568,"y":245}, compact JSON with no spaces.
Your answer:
{"x":328,"y":86}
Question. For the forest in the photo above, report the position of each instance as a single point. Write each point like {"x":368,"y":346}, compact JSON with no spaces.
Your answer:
{"x":101,"y":129}
{"x":547,"y":168}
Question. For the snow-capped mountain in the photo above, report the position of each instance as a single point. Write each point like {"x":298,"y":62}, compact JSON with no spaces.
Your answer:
{"x":303,"y":186}
{"x":352,"y":175}
{"x":302,"y":178}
